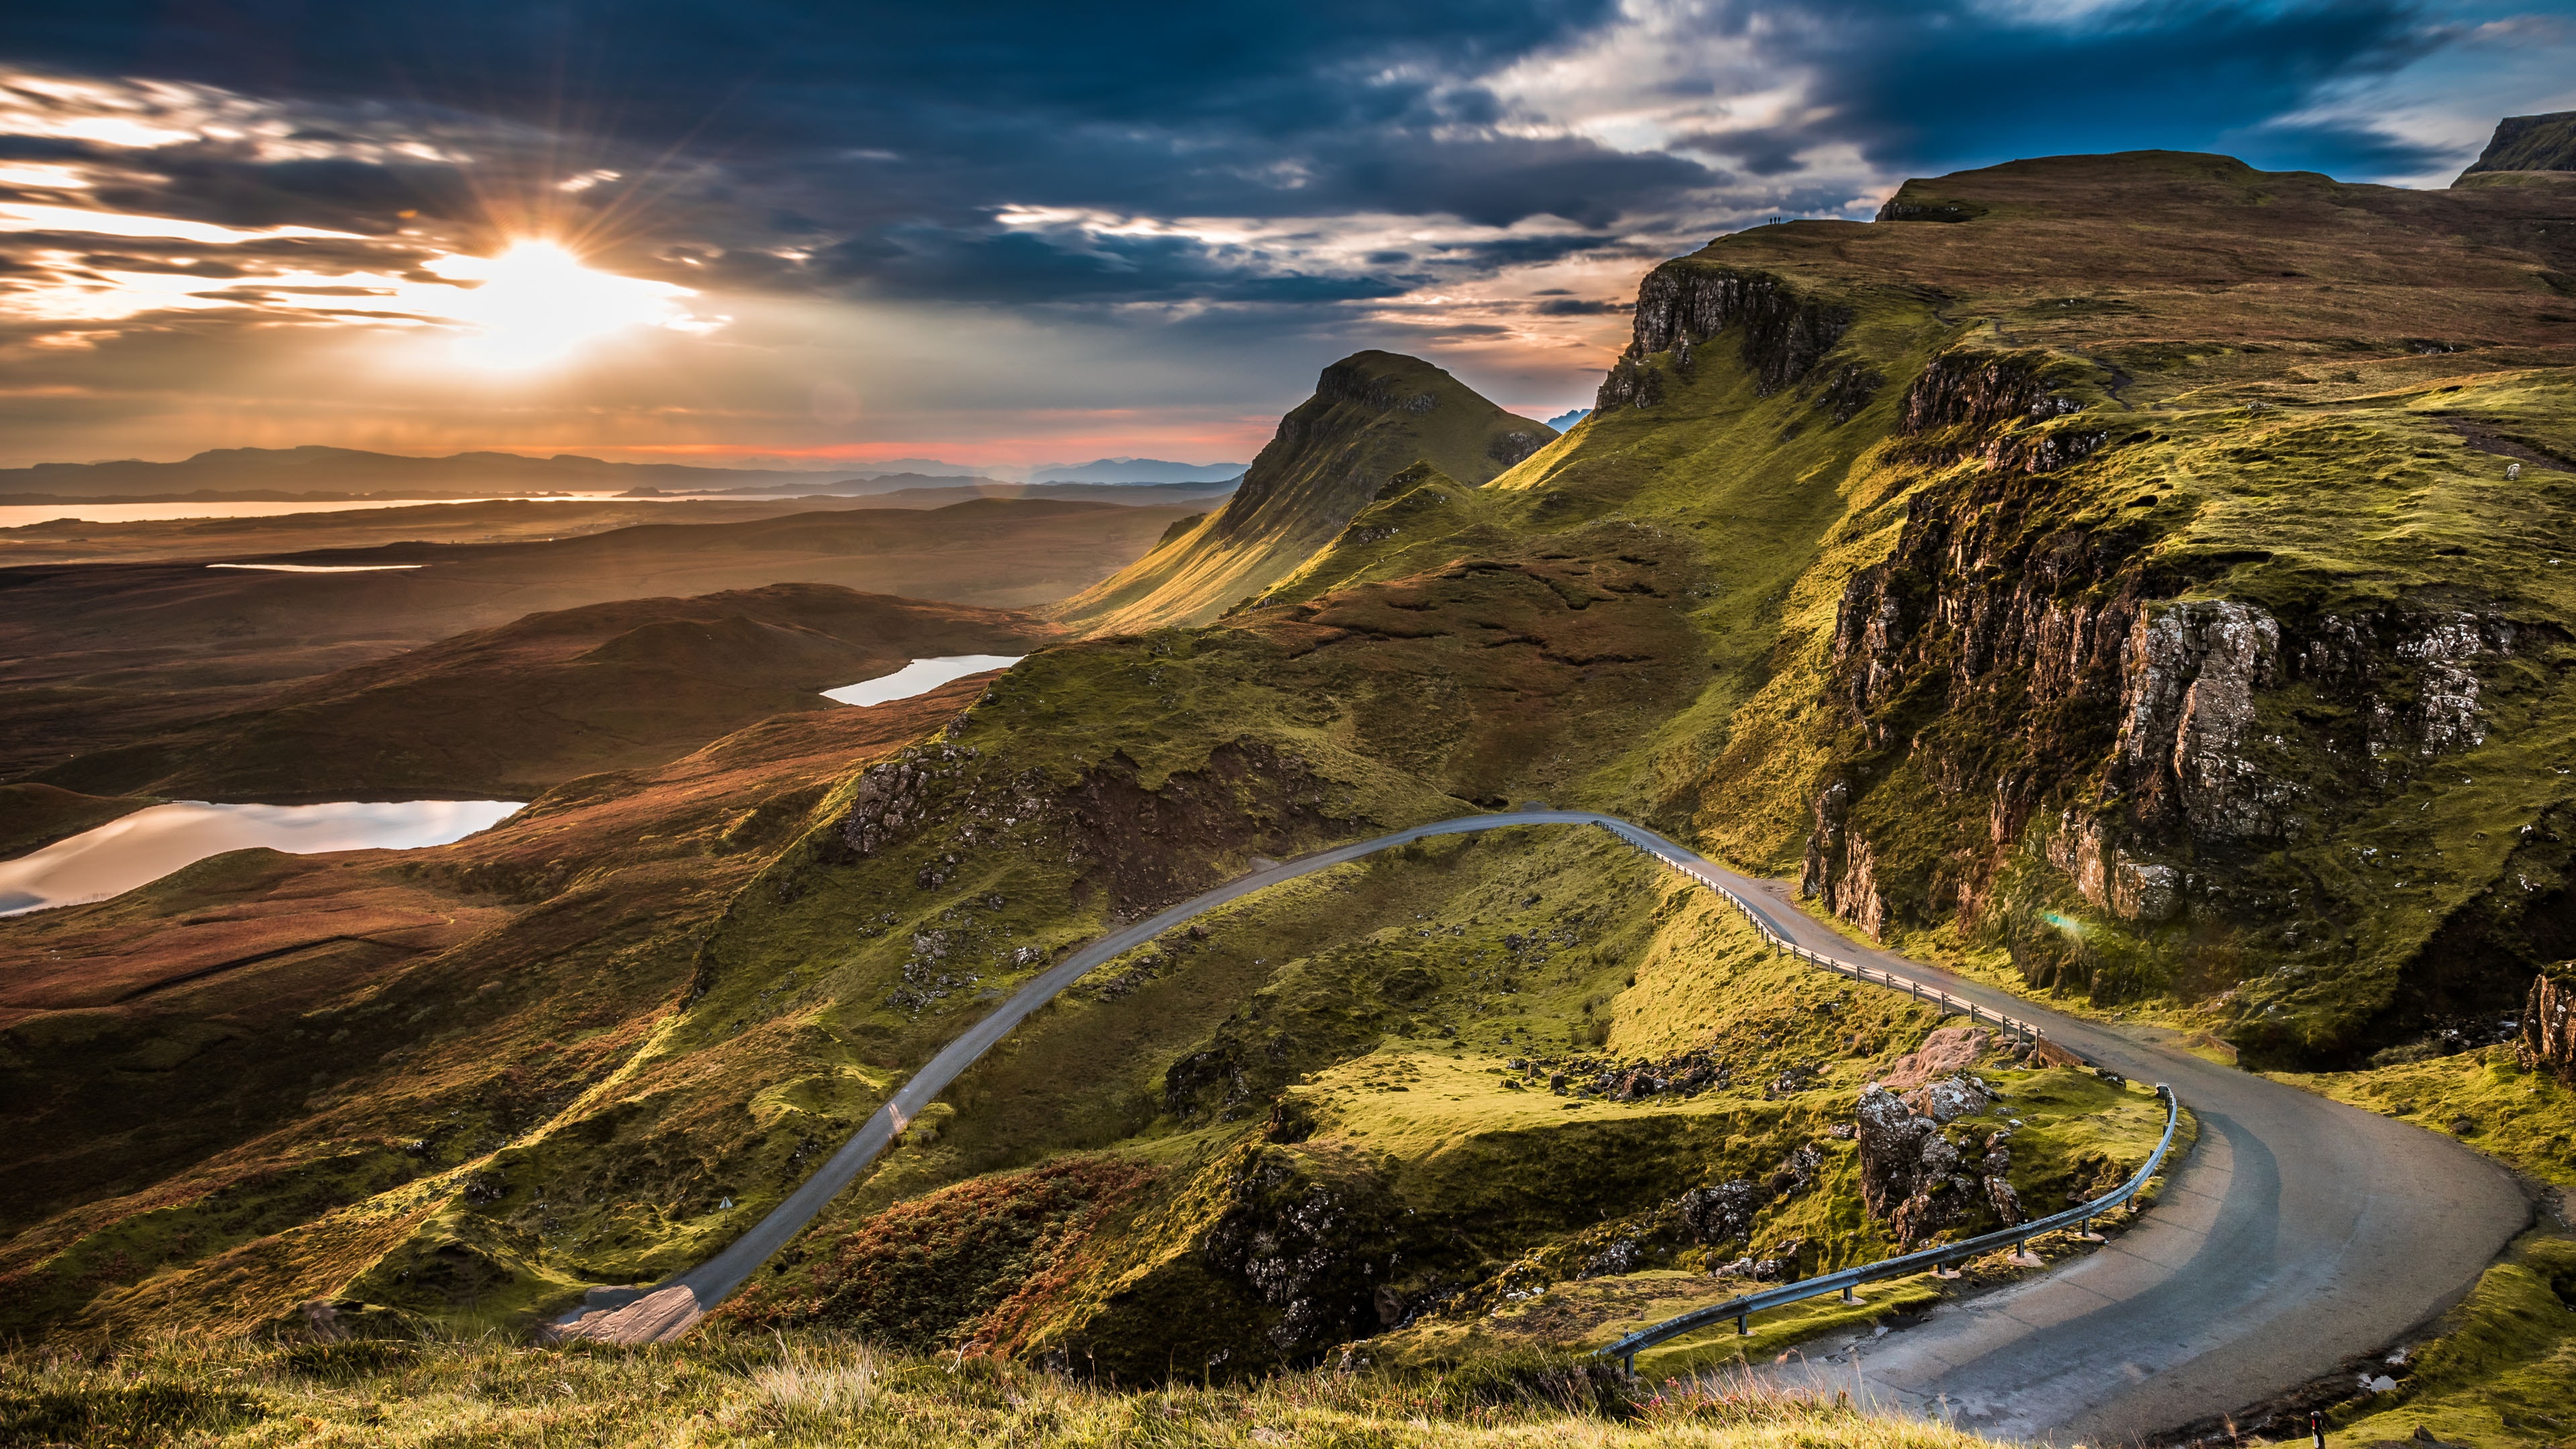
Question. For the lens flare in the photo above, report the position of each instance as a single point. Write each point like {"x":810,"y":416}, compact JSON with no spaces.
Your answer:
{"x":536,"y":304}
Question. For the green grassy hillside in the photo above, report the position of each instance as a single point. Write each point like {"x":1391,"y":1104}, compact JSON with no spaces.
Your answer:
{"x":2103,"y":573}
{"x":1373,"y":414}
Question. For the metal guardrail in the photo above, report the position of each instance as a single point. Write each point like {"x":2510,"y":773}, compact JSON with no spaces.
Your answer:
{"x":1846,"y":1280}
{"x":1762,"y":927}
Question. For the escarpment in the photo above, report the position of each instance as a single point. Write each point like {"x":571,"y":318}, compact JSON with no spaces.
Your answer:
{"x":1683,"y":305}
{"x":1144,"y":846}
{"x":2125,"y":758}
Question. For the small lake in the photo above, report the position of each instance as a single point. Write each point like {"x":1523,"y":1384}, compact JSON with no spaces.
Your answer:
{"x":19,"y":515}
{"x":919,"y":677}
{"x":140,"y":848}
{"x":320,"y":568}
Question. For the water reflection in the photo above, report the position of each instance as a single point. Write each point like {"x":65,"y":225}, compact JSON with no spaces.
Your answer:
{"x":319,"y":568}
{"x":150,"y":843}
{"x":919,"y":677}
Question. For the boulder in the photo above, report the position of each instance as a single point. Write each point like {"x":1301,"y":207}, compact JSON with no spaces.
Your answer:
{"x":1723,"y":1212}
{"x":1920,"y":1178}
{"x":1948,"y":1099}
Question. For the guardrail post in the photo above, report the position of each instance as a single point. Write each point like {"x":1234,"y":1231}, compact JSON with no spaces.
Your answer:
{"x":1743,"y":1325}
{"x":1848,"y":1295}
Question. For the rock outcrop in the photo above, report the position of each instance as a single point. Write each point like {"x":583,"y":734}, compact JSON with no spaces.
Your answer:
{"x":1686,"y":304}
{"x":1724,"y":1213}
{"x":2548,"y":1040}
{"x":1316,"y":1244}
{"x":2190,"y":670}
{"x":1920,"y":1178}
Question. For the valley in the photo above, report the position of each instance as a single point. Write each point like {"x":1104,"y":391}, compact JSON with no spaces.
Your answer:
{"x":2122,"y":588}
{"x":100,"y":655}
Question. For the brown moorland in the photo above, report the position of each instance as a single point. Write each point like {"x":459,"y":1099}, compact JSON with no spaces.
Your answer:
{"x":510,"y":711}
{"x":200,"y":1071}
{"x":98,"y":656}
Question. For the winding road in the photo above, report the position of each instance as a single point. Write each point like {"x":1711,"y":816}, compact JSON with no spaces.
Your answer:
{"x":2300,"y":1231}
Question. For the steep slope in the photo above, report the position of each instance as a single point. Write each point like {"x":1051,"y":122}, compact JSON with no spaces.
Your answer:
{"x":2528,"y":143}
{"x":202,"y":1075}
{"x":1373,"y":414}
{"x":2176,"y":629}
{"x":512,"y":711}
{"x":2103,"y":572}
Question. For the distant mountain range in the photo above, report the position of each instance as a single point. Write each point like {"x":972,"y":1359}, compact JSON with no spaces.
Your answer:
{"x":1137,"y":470}
{"x":292,"y":474}
{"x":1098,"y":470}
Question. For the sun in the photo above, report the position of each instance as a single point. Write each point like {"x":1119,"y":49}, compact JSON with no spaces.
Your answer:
{"x":536,"y":304}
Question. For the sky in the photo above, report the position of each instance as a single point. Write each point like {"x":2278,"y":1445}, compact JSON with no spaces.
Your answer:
{"x":797,"y":233}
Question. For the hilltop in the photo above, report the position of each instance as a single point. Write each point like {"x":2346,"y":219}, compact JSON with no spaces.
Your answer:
{"x":1372,"y":415}
{"x":2527,"y":144}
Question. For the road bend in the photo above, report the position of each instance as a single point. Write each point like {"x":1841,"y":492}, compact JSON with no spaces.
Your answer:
{"x":2299,"y":1233}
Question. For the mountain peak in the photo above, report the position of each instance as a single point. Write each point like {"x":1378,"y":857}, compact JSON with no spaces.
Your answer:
{"x":1373,"y":414}
{"x":2529,"y":143}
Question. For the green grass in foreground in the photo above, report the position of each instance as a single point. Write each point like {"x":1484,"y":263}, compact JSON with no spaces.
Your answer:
{"x":2503,"y":1373}
{"x":755,"y":1389}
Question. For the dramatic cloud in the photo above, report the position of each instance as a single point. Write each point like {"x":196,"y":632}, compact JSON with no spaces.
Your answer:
{"x":925,"y":212}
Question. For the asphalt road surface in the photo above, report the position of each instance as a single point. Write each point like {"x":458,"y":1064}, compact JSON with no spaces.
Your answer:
{"x":2298,"y":1233}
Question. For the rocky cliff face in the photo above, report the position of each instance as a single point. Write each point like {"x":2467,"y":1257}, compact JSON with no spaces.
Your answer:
{"x":2548,"y":1041}
{"x":2031,"y":688}
{"x":1687,"y":304}
{"x":1320,"y":1241}
{"x":2530,"y":143}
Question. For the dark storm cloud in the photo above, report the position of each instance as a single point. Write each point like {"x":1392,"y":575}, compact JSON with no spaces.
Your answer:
{"x":333,"y":193}
{"x":1024,"y":267}
{"x":1485,"y":254}
{"x":2335,"y":150}
{"x":1580,"y":307}
{"x":1922,"y":83}
{"x":1503,"y":180}
{"x":878,"y":150}
{"x":1159,"y":108}
{"x":883,"y":137}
